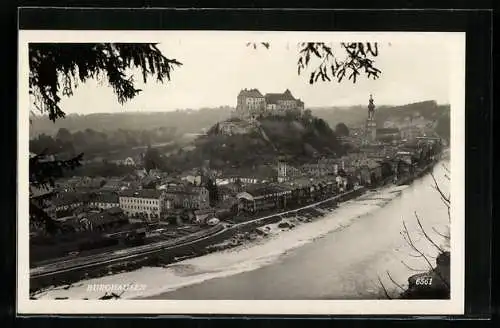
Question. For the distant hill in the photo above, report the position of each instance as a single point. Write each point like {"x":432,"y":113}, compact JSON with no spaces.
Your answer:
{"x":193,"y":121}
{"x":185,"y":121}
{"x":426,"y":111}
{"x":296,"y":139}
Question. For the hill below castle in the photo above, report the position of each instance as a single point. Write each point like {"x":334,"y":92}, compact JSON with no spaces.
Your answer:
{"x":296,"y":139}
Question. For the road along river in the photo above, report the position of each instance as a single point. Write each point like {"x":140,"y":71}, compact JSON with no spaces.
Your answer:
{"x":339,"y":256}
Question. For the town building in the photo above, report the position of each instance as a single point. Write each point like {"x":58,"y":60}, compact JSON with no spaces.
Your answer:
{"x":378,"y":151}
{"x":388,"y":135}
{"x":262,"y":197}
{"x":324,"y":166}
{"x":204,"y":215}
{"x":187,"y":196}
{"x":281,"y":103}
{"x":282,"y":171}
{"x":250,"y":103}
{"x":147,"y":203}
{"x":227,"y":191}
{"x":411,"y":132}
{"x":254,"y":175}
{"x":115,"y":184}
{"x":67,"y":201}
{"x":193,"y":176}
{"x":129,"y":161}
{"x":105,"y":200}
{"x":102,"y":221}
{"x":369,"y":172}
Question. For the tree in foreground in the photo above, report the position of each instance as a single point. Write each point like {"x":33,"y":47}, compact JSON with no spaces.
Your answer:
{"x":57,"y":68}
{"x":351,"y":60}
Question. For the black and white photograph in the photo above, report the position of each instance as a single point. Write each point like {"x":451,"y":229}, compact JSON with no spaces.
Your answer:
{"x":241,"y":172}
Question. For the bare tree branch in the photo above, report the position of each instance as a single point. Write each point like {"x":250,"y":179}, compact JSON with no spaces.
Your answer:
{"x":394,"y":282}
{"x":412,"y":269}
{"x":447,"y":199}
{"x":351,"y":61}
{"x":446,"y":169}
{"x":441,"y":234}
{"x":412,"y":245}
{"x":383,"y":287}
{"x":426,"y":235}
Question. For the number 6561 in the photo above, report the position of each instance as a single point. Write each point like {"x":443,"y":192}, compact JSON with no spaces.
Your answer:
{"x":426,"y":281}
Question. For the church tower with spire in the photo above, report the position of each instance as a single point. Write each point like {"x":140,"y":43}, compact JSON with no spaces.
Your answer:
{"x":371,"y":124}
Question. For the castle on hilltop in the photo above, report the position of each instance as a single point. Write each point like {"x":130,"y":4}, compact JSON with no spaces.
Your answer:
{"x":252,"y":104}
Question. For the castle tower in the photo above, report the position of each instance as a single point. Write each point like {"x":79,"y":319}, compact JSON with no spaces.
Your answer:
{"x":371,"y":124}
{"x":282,"y":171}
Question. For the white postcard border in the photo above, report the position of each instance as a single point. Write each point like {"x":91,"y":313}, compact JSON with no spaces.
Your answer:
{"x":455,"y":305}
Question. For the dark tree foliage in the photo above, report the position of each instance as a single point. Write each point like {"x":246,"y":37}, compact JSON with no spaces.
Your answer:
{"x":334,"y":67}
{"x":44,"y":173}
{"x":152,"y":159}
{"x":214,"y":130}
{"x":60,"y":67}
{"x":64,"y":135}
{"x":386,"y":170}
{"x":342,"y":130}
{"x":93,"y":142}
{"x":102,"y":170}
{"x":355,"y":58}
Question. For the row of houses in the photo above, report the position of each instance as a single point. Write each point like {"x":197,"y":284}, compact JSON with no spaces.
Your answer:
{"x":189,"y":191}
{"x":264,"y":197}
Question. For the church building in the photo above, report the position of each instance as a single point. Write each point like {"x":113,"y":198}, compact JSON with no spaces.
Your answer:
{"x":374,"y":135}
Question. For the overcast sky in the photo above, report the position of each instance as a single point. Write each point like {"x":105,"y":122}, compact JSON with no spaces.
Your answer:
{"x":213,"y":72}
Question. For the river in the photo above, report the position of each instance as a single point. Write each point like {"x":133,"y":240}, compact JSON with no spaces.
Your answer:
{"x":339,"y":256}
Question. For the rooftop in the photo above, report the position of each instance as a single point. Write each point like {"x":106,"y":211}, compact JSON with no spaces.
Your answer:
{"x":142,"y":193}
{"x":262,"y":189}
{"x":66,"y":198}
{"x":253,"y":93}
{"x":183,"y":189}
{"x":387,"y":130}
{"x":110,"y":216}
{"x":273,"y":98}
{"x":249,"y":172}
{"x":107,"y":197}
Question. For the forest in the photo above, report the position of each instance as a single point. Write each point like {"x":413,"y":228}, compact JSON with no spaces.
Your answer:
{"x":92,"y":142}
